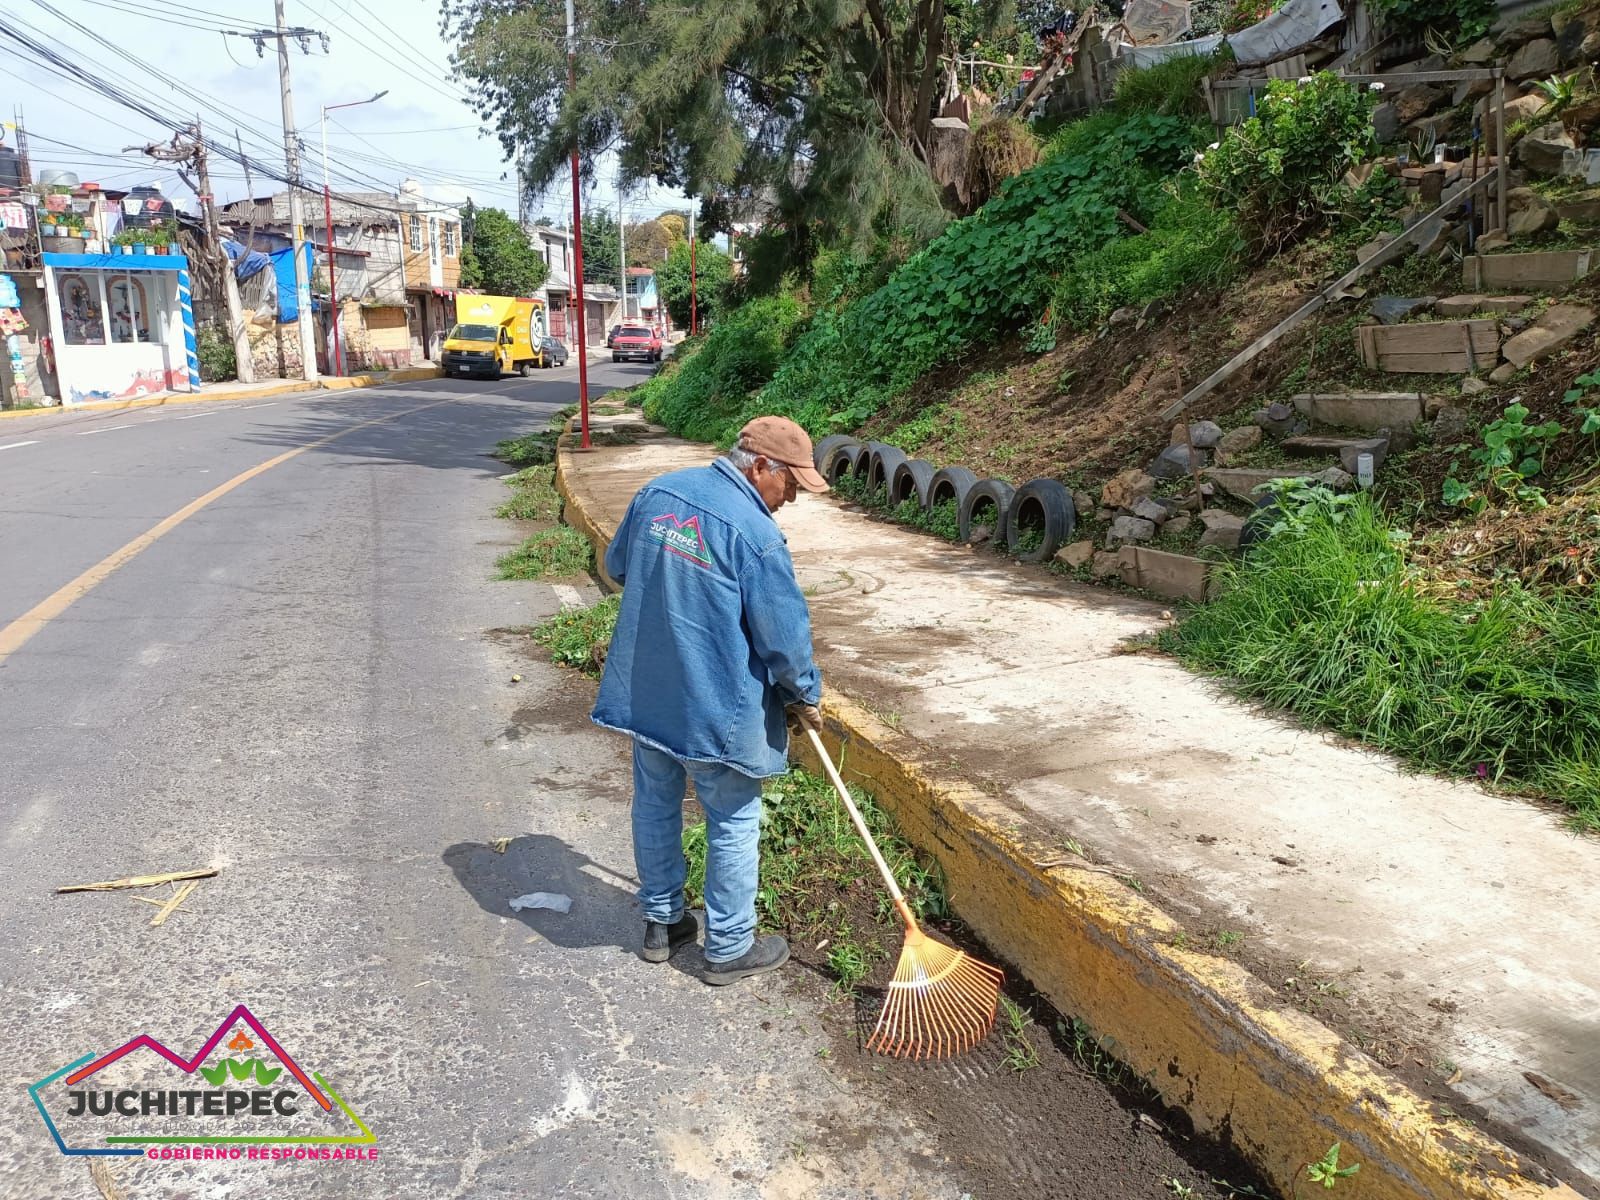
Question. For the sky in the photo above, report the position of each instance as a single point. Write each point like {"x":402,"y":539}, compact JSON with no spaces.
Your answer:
{"x":423,"y":129}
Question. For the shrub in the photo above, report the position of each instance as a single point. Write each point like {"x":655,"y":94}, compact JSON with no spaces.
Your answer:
{"x":215,"y":352}
{"x":1281,"y":171}
{"x":1325,"y":619}
{"x":1462,"y":20}
{"x":1171,"y":87}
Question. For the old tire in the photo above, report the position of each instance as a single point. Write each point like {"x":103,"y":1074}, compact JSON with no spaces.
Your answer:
{"x":863,"y":465}
{"x":951,"y":483}
{"x":823,"y":449}
{"x":1044,"y":505}
{"x":912,"y":480}
{"x":989,"y":501}
{"x":885,"y":461}
{"x":842,"y":461}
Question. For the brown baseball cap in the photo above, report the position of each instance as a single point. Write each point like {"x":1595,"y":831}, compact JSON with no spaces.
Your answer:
{"x":782,"y":441}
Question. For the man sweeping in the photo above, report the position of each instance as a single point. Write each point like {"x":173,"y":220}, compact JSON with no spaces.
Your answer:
{"x":711,"y":654}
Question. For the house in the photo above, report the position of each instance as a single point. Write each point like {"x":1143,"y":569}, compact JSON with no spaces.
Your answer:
{"x":555,"y":247}
{"x":643,"y":303}
{"x":367,"y":275}
{"x":431,"y":250}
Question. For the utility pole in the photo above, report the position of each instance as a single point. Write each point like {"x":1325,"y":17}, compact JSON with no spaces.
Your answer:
{"x":297,"y":218}
{"x":188,"y":148}
{"x":335,"y":356}
{"x":693,"y":293}
{"x":622,"y":246}
{"x":577,"y":240}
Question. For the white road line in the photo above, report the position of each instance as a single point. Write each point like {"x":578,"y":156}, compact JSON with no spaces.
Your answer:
{"x":567,"y":594}
{"x":14,"y":445}
{"x":192,"y":416}
{"x":106,"y":429}
{"x":248,"y":407}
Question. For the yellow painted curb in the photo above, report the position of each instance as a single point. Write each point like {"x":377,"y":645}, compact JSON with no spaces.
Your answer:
{"x":342,"y":383}
{"x":1268,"y":1080}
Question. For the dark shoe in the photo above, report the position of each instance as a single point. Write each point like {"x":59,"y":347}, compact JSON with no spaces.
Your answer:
{"x":768,"y":954}
{"x":661,"y":942}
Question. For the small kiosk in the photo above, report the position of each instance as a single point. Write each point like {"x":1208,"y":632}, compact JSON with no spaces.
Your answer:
{"x":124,"y":325}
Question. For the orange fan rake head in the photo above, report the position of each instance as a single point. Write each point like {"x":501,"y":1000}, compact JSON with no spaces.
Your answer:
{"x":941,"y":1001}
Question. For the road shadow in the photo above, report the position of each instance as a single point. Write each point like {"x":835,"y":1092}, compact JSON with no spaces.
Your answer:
{"x":603,"y":914}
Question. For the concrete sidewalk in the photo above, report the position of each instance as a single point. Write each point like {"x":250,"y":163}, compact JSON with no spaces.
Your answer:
{"x":1452,"y":931}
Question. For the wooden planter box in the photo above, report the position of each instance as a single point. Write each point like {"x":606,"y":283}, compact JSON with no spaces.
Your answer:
{"x":1432,"y":347}
{"x":1546,"y":270}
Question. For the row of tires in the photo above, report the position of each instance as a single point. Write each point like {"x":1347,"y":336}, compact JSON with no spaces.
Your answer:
{"x":1033,"y":521}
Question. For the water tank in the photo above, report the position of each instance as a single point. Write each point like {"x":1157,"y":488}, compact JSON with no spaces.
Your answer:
{"x":10,"y":168}
{"x":54,"y":178}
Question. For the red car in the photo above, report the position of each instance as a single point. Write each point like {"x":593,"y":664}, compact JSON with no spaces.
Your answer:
{"x":636,"y":341}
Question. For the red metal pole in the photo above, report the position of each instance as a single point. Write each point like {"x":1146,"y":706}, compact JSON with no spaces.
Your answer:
{"x":577,"y":248}
{"x":692,"y":313}
{"x":333,"y":288}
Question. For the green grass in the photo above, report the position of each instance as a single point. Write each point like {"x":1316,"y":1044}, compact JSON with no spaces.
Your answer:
{"x":1329,"y":623}
{"x":817,"y":878}
{"x":573,"y":634}
{"x":529,"y":450}
{"x":533,"y":495}
{"x":1171,"y":88}
{"x":1020,"y":1055}
{"x":549,"y":554}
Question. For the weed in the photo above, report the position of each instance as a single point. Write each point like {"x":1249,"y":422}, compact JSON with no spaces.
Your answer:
{"x":849,"y":963}
{"x":1226,"y":939}
{"x":533,"y":495}
{"x":574,"y":635}
{"x":1178,"y":1188}
{"x":1020,"y":1055}
{"x":557,"y":553}
{"x":1171,"y":88}
{"x":530,"y":450}
{"x":1093,"y":1053}
{"x":1327,"y":1171}
{"x":1327,"y":622}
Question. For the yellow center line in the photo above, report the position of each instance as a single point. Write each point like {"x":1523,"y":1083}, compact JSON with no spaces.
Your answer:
{"x":52,"y":606}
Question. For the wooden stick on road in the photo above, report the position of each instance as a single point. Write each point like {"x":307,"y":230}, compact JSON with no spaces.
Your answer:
{"x":138,"y":881}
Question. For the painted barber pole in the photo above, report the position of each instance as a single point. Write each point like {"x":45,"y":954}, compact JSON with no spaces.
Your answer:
{"x":189,"y":346}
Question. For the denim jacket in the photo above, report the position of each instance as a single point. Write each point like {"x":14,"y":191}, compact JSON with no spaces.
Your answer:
{"x":714,"y":637}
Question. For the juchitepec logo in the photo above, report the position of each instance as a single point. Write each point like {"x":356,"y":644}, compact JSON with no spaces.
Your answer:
{"x":241,"y":1097}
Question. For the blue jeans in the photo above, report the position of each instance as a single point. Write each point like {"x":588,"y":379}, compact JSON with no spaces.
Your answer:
{"x":732,"y":802}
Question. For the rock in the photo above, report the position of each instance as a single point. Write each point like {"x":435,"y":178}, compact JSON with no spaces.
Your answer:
{"x":1537,"y":59}
{"x":1350,"y":453}
{"x":1215,"y":518}
{"x":1543,"y":151}
{"x":1175,"y":462}
{"x":1493,"y":240}
{"x":1502,"y":373}
{"x":1127,"y":488}
{"x":1471,"y":386}
{"x":1575,"y":35}
{"x":1519,"y":111}
{"x":1386,"y":122}
{"x":1551,"y":332}
{"x":1105,"y":563}
{"x":1451,"y":426}
{"x":1276,"y":420}
{"x":1124,"y":315}
{"x":1536,"y":216}
{"x":1225,"y":537}
{"x":1468,"y":303}
{"x":981,"y":534}
{"x":1421,"y":99}
{"x":1178,"y":524}
{"x":1203,"y":435}
{"x":1515,"y":31}
{"x":1366,"y":252}
{"x":1391,"y":310}
{"x":1151,"y":511}
{"x":1104,"y":514}
{"x":1130,"y":529}
{"x":1433,"y":237}
{"x":1336,"y":479}
{"x":1236,"y":442}
{"x":1076,"y":554}
{"x":1471,"y":89}
{"x":1581,"y":118}
{"x":1179,"y":435}
{"x":1480,"y":52}
{"x":1082,"y":503}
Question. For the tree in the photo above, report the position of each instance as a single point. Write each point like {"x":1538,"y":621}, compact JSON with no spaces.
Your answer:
{"x":497,"y":256}
{"x":648,"y":243}
{"x":713,"y":276}
{"x":601,"y":257}
{"x":819,"y":111}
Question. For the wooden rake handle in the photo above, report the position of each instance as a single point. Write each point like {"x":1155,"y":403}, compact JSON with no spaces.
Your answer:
{"x":861,"y":826}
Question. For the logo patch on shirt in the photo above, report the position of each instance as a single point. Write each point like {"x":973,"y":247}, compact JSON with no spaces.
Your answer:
{"x":682,"y":538}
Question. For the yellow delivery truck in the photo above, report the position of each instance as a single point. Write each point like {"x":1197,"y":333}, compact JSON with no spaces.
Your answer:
{"x":493,"y":335}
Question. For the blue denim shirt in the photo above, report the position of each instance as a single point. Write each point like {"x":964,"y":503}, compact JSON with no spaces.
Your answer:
{"x":714,"y":637}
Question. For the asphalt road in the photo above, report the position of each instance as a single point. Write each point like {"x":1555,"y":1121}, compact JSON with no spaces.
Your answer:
{"x":300,"y":683}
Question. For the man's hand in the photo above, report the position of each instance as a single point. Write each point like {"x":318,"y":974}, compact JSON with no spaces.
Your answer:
{"x":803,"y":717}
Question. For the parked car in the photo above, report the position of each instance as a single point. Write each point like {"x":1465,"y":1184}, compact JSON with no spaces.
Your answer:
{"x":636,"y":341}
{"x":612,"y":336}
{"x":552,"y":352}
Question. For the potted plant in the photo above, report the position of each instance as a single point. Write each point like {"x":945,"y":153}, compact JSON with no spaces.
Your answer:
{"x":122,"y":243}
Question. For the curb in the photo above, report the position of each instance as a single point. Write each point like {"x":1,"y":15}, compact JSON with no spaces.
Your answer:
{"x":326,"y":384}
{"x":1211,"y":1039}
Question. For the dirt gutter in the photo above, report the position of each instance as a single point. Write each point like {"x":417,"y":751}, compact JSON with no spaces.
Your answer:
{"x":1271,"y":1082}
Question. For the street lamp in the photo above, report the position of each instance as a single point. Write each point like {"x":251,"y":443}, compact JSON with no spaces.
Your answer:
{"x":336,"y":359}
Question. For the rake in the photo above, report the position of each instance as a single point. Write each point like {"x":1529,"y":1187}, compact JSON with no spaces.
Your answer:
{"x":941,"y":1001}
